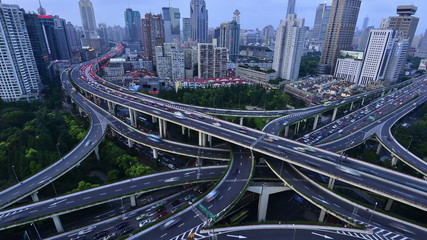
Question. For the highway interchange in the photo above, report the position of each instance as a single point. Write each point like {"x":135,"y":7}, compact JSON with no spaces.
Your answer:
{"x":252,"y":140}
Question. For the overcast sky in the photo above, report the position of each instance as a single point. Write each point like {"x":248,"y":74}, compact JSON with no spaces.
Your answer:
{"x":254,"y":13}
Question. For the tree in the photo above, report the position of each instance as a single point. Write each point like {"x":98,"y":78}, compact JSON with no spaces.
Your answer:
{"x":84,"y":186}
{"x":137,"y":171}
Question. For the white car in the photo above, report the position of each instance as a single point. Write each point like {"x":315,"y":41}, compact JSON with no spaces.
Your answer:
{"x":179,"y":115}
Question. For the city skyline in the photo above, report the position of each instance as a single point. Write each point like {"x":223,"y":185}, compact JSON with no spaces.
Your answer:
{"x":220,"y":11}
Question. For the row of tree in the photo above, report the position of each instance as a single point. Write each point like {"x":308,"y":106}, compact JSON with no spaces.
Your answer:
{"x":233,"y":97}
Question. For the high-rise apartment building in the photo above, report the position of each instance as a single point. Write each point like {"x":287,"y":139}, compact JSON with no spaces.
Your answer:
{"x":186,"y":29}
{"x":405,"y":23}
{"x":365,"y":22}
{"x":339,"y":34}
{"x":153,"y":34}
{"x":289,"y":47}
{"x":73,"y":37}
{"x":172,"y":23}
{"x":212,"y":61}
{"x":19,"y":78}
{"x":88,"y":18}
{"x":133,"y":27}
{"x":54,"y":29}
{"x":267,"y":34}
{"x":320,"y":23}
{"x":229,"y":37}
{"x":199,"y":21}
{"x":170,"y":62}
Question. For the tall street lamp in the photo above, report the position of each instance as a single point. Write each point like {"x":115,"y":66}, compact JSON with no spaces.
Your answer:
{"x":372,"y":214}
{"x":57,"y":148}
{"x":37,"y":231}
{"x":14,"y":173}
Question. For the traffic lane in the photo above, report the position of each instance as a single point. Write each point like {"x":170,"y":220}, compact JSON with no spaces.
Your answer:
{"x":362,"y":179}
{"x":228,"y":190}
{"x":283,"y":234}
{"x":103,"y":193}
{"x":333,"y":202}
{"x":27,"y":186}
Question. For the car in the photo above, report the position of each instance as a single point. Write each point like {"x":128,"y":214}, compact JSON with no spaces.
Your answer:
{"x":162,"y":214}
{"x":216,"y":124}
{"x":175,"y":203}
{"x":348,"y":170}
{"x":171,"y":223}
{"x":100,"y":235}
{"x":160,"y":209}
{"x":141,"y":216}
{"x":122,"y":225}
{"x":179,"y":115}
{"x":109,"y":236}
{"x":175,"y":209}
{"x":126,"y":231}
{"x":389,"y":138}
{"x":299,"y":149}
{"x":310,"y":149}
{"x":211,"y":196}
{"x":188,"y":197}
{"x":145,"y":222}
{"x":88,"y":143}
{"x":154,"y":138}
{"x":173,"y":179}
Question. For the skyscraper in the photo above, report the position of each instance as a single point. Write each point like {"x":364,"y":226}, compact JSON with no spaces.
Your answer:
{"x":422,"y":50}
{"x":229,"y":37}
{"x":289,"y":47}
{"x":405,"y":23}
{"x":291,"y":7}
{"x":172,"y":19}
{"x":73,"y":37}
{"x":321,"y":23}
{"x":133,"y":25}
{"x":88,"y":18}
{"x":186,"y":29}
{"x":54,"y":29}
{"x":19,"y":77}
{"x":267,"y":34}
{"x":339,"y":34}
{"x":199,"y":21}
{"x":38,"y":45}
{"x":153,"y":34}
{"x":365,"y":22}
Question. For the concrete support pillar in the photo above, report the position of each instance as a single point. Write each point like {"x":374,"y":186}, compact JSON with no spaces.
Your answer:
{"x":382,"y":94}
{"x":262,"y":206}
{"x":351,"y":106}
{"x":183,"y":130}
{"x":113,"y":133}
{"x":331,"y":183}
{"x":132,"y":116}
{"x":394,"y":160}
{"x":241,"y":121}
{"x":133,"y":201}
{"x":363,"y":101}
{"x":58,"y":224}
{"x":165,"y":128}
{"x":202,"y":139}
{"x":388,"y":204}
{"x":334,"y":115}
{"x":322,"y":215}
{"x":155,"y":154}
{"x":286,"y":131}
{"x":130,"y":143}
{"x":97,"y":153}
{"x":35,"y":197}
{"x":81,"y":111}
{"x":379,"y":148}
{"x":154,"y":119}
{"x":210,"y":140}
{"x":161,"y":128}
{"x":110,"y":109}
{"x":316,"y":121}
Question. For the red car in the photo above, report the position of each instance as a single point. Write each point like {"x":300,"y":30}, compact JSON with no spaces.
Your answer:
{"x":162,"y":214}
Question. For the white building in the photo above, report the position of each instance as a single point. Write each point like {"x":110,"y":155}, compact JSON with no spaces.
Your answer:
{"x":170,"y":61}
{"x":380,"y":44}
{"x":289,"y":47}
{"x":212,"y":61}
{"x":349,"y":66}
{"x":19,"y":77}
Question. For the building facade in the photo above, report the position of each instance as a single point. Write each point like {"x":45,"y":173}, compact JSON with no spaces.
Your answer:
{"x":170,"y":62}
{"x":289,"y":47}
{"x":349,"y":66}
{"x":88,"y":18}
{"x":19,"y":77}
{"x":212,"y":61}
{"x":229,"y":37}
{"x":320,"y":23}
{"x":172,"y":23}
{"x":199,"y":21}
{"x":257,"y":76}
{"x":422,"y":50}
{"x":133,"y":27}
{"x":153,"y":34}
{"x":405,"y":23}
{"x":186,"y":29}
{"x":339,"y":33}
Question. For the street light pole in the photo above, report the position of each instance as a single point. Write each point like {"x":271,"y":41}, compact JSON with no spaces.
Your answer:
{"x":37,"y":231}
{"x":410,"y":141}
{"x":372,"y":214}
{"x":14,"y":173}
